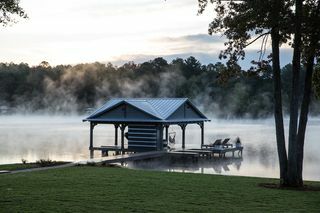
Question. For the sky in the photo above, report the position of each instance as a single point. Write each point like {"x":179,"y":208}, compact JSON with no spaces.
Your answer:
{"x":79,"y":31}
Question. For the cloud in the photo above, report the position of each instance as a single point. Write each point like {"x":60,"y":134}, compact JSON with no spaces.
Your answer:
{"x":204,"y":57}
{"x":190,"y":43}
{"x":196,"y":38}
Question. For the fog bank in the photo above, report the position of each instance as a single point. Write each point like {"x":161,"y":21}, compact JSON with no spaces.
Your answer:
{"x":67,"y":138}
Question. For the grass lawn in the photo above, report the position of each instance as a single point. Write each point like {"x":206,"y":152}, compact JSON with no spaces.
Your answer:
{"x":19,"y":166}
{"x":105,"y":189}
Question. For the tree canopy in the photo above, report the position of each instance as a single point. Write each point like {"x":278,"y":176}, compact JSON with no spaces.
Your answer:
{"x":293,"y":23}
{"x":10,"y":11}
{"x":66,"y":88}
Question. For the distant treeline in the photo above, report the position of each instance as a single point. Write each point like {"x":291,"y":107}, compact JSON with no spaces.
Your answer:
{"x":67,"y":89}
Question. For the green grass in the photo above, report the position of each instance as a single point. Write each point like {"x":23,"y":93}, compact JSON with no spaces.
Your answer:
{"x":19,"y":166}
{"x":102,"y":189}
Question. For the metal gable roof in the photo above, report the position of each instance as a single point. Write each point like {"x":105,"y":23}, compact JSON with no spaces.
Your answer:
{"x":166,"y":106}
{"x":160,"y":108}
{"x":110,"y":104}
{"x":145,"y":106}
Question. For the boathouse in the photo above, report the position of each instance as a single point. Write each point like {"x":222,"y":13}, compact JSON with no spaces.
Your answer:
{"x":145,"y":122}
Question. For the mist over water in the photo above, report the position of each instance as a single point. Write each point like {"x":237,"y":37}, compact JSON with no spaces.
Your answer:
{"x":67,"y":138}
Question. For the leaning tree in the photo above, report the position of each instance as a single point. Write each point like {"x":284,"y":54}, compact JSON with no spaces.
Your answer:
{"x":294,"y":23}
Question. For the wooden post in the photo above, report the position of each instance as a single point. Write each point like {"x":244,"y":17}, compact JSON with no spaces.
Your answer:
{"x":167,"y":133}
{"x":91,"y":139}
{"x":183,"y":127}
{"x":202,"y":133}
{"x":122,"y":128}
{"x":160,"y":138}
{"x":116,"y":134}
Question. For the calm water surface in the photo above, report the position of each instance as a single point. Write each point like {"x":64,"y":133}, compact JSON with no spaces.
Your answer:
{"x":67,"y":138}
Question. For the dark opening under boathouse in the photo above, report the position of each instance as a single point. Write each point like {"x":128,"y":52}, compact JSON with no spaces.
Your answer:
{"x":147,"y":121}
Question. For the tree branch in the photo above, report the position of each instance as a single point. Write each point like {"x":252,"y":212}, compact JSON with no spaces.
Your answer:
{"x":251,"y":42}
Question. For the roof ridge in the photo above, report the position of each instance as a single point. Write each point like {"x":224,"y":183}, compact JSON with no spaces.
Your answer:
{"x":165,"y":114}
{"x":186,"y":99}
{"x":146,"y":98}
{"x":159,"y":109}
{"x":157,"y":115}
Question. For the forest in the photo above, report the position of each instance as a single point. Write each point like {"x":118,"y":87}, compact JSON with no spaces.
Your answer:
{"x":80,"y":88}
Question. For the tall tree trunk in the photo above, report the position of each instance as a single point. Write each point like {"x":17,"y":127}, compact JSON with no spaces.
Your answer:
{"x":281,"y":147}
{"x":304,"y":117}
{"x":294,"y":103}
{"x":310,"y":54}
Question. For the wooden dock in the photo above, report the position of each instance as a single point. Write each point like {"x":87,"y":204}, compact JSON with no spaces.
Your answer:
{"x":194,"y":154}
{"x":183,"y":154}
{"x":210,"y":152}
{"x":125,"y":157}
{"x":200,"y":152}
{"x":105,"y":150}
{"x":108,"y":148}
{"x":221,"y":151}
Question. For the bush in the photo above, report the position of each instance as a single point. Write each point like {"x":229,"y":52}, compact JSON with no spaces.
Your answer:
{"x":92,"y":163}
{"x":45,"y":162}
{"x":24,"y":161}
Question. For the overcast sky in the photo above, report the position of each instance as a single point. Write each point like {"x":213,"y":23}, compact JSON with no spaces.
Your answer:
{"x":79,"y":31}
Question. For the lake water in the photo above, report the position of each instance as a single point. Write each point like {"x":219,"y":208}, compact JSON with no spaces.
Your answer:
{"x":67,"y":138}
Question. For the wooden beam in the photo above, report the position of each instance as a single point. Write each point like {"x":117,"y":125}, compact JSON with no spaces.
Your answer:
{"x":202,"y":132}
{"x":160,"y":138}
{"x":122,"y":128}
{"x":91,"y":139}
{"x":167,"y":133}
{"x":116,"y":134}
{"x":183,"y":127}
{"x":183,"y":138}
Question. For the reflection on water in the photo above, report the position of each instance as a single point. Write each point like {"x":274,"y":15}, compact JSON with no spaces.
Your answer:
{"x":212,"y":165}
{"x":67,"y":138}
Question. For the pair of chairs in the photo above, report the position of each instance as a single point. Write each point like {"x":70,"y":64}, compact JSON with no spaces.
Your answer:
{"x":219,"y":143}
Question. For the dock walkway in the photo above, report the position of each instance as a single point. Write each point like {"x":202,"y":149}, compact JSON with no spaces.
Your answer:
{"x":196,"y":153}
{"x":211,"y":151}
{"x":125,"y":157}
{"x":221,"y":151}
{"x":183,"y":153}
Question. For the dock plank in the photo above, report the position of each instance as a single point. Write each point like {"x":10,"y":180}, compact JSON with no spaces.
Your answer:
{"x":201,"y":151}
{"x":125,"y":157}
{"x":181,"y":153}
